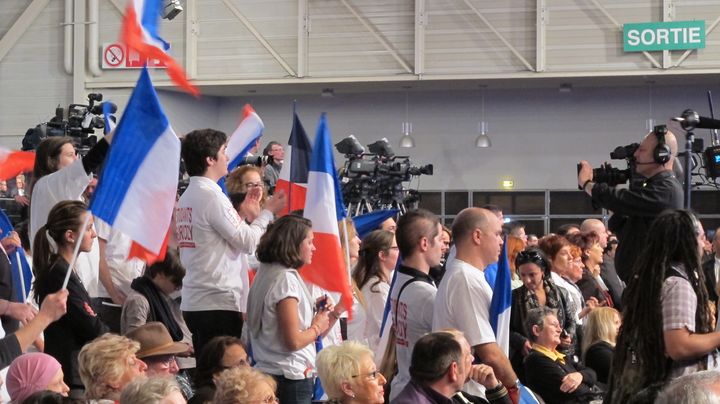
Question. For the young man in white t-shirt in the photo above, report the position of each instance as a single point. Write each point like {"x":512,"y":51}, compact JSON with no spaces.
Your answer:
{"x":419,"y":239}
{"x":211,"y":235}
{"x":463,"y":299}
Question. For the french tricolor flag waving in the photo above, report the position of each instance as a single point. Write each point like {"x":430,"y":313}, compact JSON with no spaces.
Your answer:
{"x":294,"y":172}
{"x":140,"y":33}
{"x":324,"y":207}
{"x":243,"y":139}
{"x":137,"y":187}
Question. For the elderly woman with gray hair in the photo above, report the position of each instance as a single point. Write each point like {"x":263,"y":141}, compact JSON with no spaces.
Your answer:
{"x":555,"y":377}
{"x":349,"y":375}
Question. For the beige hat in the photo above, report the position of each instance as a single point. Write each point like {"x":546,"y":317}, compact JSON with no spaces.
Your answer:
{"x":155,"y":340}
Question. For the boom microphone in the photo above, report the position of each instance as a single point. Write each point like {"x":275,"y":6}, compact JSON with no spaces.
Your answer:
{"x":690,"y":120}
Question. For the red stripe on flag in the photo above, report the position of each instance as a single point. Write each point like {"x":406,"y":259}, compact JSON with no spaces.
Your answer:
{"x":17,"y":162}
{"x":140,"y":252}
{"x":295,"y":193}
{"x":327,"y":268}
{"x":133,"y":38}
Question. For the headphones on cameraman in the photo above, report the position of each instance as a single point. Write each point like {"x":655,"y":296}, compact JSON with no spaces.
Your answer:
{"x":661,"y":152}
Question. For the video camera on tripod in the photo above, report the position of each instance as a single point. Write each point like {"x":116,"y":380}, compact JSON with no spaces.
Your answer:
{"x":81,"y":122}
{"x":375,"y":180}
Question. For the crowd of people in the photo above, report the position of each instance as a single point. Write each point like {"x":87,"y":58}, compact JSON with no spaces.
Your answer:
{"x":226,"y":316}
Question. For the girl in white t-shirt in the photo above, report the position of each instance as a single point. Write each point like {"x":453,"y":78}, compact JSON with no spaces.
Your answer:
{"x":378,"y":256}
{"x":283,"y":320}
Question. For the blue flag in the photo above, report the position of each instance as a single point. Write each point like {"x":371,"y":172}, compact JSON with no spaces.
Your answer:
{"x":21,"y":271}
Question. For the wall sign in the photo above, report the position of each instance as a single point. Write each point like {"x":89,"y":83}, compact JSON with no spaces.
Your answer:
{"x":655,"y":36}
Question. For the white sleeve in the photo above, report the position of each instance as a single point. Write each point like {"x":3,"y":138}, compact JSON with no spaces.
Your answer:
{"x":473,"y":313}
{"x":242,"y":237}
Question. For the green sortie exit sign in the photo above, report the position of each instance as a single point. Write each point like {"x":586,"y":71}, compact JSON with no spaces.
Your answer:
{"x":655,"y":36}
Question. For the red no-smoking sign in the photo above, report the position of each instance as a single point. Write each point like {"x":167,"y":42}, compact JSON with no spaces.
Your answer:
{"x":117,"y":56}
{"x":114,"y":56}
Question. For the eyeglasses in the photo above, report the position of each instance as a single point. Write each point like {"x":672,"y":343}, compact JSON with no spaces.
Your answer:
{"x":253,"y":184}
{"x":372,"y":375}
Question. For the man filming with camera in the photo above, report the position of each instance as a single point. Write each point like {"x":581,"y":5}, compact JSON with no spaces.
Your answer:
{"x":635,"y":208}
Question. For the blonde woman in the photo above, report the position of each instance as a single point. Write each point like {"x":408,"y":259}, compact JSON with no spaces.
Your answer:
{"x":348,"y":374}
{"x":598,"y":344}
{"x":107,"y":365}
{"x":244,"y":385}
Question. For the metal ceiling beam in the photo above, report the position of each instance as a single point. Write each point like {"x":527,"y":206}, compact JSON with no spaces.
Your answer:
{"x":687,"y":53}
{"x":260,"y":38}
{"x":377,"y":35}
{"x":420,"y":24}
{"x":303,"y":37}
{"x":540,"y":37}
{"x":668,"y":15}
{"x":21,"y":25}
{"x":192,"y":31}
{"x":499,"y":35}
{"x":118,"y":6}
{"x":620,"y":27}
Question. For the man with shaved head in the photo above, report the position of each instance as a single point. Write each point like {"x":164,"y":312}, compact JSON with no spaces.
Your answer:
{"x":635,"y":208}
{"x":607,"y":269}
{"x":463,"y":299}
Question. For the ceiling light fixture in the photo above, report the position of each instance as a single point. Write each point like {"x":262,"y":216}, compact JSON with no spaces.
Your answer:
{"x":483,"y":140}
{"x":407,"y":140}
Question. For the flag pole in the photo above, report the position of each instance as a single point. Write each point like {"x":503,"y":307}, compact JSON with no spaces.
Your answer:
{"x":21,"y":274}
{"x":346,"y":248}
{"x":76,"y":249}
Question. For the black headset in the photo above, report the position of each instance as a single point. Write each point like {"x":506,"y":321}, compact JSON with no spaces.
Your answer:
{"x":661,"y":153}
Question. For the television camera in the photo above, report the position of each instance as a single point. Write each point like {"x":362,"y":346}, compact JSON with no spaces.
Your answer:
{"x":375,"y":180}
{"x":81,"y":122}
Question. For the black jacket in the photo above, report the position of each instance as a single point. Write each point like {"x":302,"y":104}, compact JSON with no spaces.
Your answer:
{"x":544,"y":376}
{"x":612,"y":280}
{"x":80,"y":325}
{"x":633,"y":211}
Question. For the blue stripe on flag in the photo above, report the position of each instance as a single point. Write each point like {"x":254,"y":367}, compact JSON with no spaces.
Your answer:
{"x":325,"y":163}
{"x":502,"y":292}
{"x":141,"y":125}
{"x":150,"y":19}
{"x":301,"y":152}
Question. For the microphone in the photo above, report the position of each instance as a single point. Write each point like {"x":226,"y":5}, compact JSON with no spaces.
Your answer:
{"x":690,"y":120}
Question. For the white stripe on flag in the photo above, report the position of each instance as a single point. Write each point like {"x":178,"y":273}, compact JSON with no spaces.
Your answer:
{"x":152,"y":192}
{"x":319,"y":206}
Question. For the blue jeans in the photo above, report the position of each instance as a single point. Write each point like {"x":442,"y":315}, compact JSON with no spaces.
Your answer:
{"x":294,"y":391}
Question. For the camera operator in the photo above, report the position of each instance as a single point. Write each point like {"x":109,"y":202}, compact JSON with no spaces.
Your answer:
{"x":635,"y":208}
{"x":275,"y":151}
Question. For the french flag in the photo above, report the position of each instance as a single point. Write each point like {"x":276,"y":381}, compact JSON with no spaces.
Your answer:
{"x":500,"y":305}
{"x":21,"y":271}
{"x":501,"y":302}
{"x":140,"y":33}
{"x":137,"y":187}
{"x":324,"y":207}
{"x":243,"y":139}
{"x":14,"y":163}
{"x":108,"y":117}
{"x":294,"y":173}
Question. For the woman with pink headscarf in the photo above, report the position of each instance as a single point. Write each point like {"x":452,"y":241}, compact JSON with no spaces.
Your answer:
{"x":33,"y":372}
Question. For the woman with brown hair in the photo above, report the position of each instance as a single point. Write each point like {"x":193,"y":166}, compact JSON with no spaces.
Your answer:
{"x":283,"y":320}
{"x":52,"y":254}
{"x":591,"y":284}
{"x":378,"y":256}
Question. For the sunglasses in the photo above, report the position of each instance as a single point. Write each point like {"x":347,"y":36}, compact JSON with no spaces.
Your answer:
{"x":530,"y":256}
